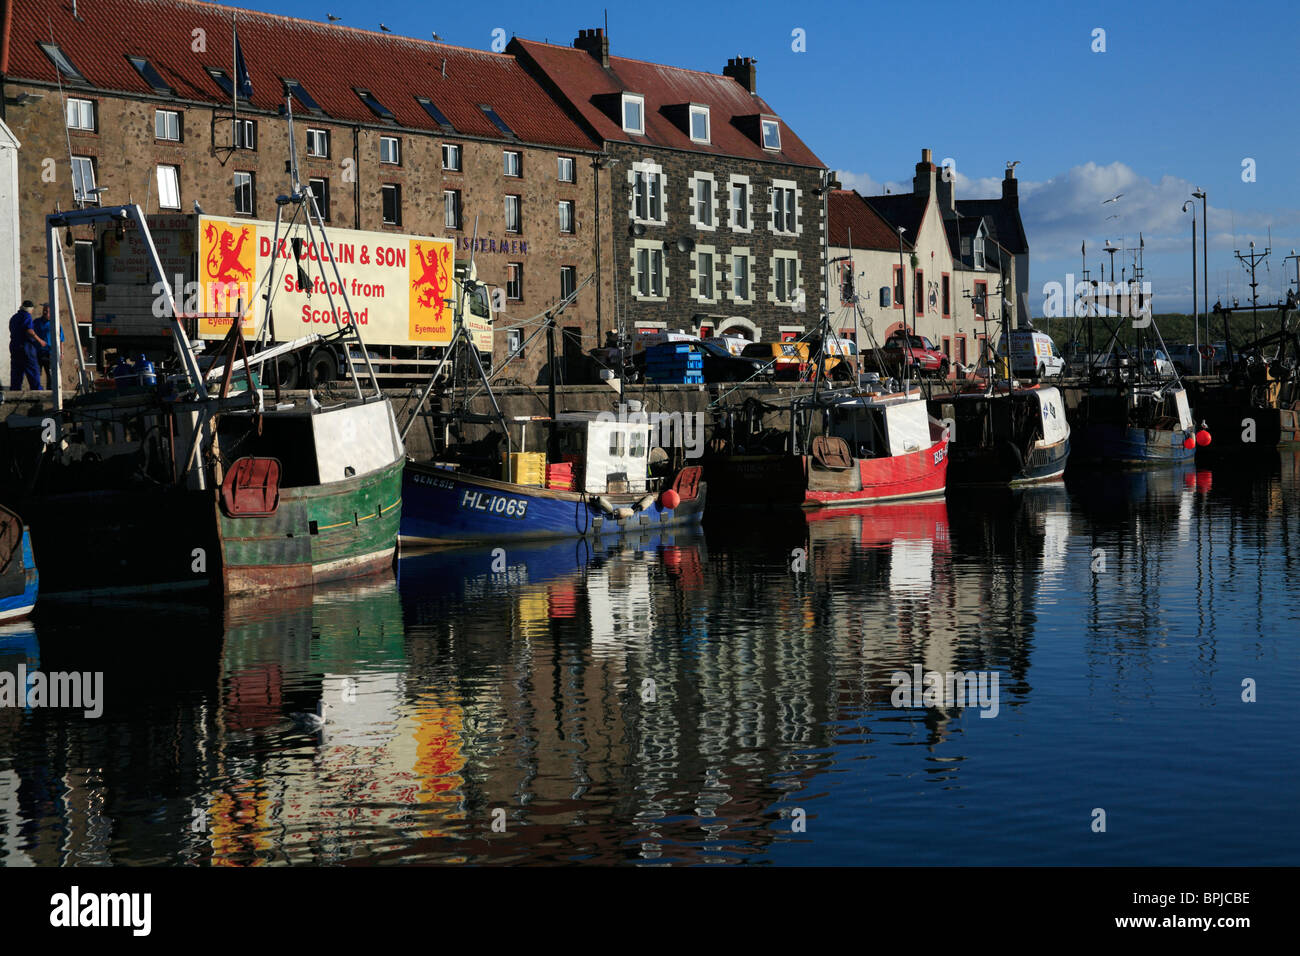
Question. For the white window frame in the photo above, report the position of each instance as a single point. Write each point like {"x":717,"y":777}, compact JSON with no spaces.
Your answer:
{"x":518,"y":163}
{"x":654,"y":250}
{"x":697,"y":276}
{"x":519,"y":214}
{"x":453,"y":149}
{"x":82,"y":107}
{"x":782,"y":273}
{"x":158,"y":116}
{"x":245,"y":125}
{"x":559,"y":169}
{"x":639,"y":100}
{"x":648,"y":170}
{"x":694,"y":186}
{"x":690,"y":124}
{"x":396,"y":150}
{"x":252,"y":192}
{"x":87,"y":166}
{"x":166,"y":174}
{"x":741,"y":253}
{"x":733,"y":182}
{"x":777,"y":195}
{"x":572,"y":273}
{"x":769,"y":124}
{"x":320,"y":136}
{"x":397,"y":203}
{"x":452,"y":217}
{"x":571,"y":206}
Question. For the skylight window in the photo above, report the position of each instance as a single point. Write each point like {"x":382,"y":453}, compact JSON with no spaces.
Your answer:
{"x":435,"y":114}
{"x":61,"y":61}
{"x":376,"y":107}
{"x":634,"y":113}
{"x":700,"y":124}
{"x":771,"y":134}
{"x":222,"y":79}
{"x":150,"y":75}
{"x":295,"y":89}
{"x":497,"y":121}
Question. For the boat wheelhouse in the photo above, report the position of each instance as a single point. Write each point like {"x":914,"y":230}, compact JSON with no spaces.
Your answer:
{"x":1005,"y":436}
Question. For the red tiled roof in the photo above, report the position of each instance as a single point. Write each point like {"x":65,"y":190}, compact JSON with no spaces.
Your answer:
{"x":851,"y":214}
{"x":329,"y":61}
{"x":582,"y":80}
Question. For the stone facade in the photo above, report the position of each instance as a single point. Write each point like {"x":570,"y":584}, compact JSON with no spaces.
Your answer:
{"x":685,"y":302}
{"x":126,"y":154}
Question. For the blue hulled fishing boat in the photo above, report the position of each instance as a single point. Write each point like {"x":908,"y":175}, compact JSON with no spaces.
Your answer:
{"x":19,"y":581}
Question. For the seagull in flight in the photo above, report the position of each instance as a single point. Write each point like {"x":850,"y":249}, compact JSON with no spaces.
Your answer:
{"x":1111,"y":199}
{"x":1109,"y":218}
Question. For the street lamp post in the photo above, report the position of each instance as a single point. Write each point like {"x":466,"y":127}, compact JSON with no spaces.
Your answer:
{"x":1196,"y":312}
{"x":1205,"y":258}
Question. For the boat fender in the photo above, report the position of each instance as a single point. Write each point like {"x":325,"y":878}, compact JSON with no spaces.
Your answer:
{"x":622,"y":514}
{"x":645,"y":502}
{"x":605,"y":504}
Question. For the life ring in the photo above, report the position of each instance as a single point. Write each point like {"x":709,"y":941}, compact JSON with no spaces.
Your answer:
{"x":1207,"y":351}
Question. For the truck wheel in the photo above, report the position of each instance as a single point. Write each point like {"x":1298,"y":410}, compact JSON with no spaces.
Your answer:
{"x":289,"y":369}
{"x":322,"y":368}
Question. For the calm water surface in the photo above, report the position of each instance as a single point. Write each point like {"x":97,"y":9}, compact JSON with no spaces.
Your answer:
{"x":721,"y":697}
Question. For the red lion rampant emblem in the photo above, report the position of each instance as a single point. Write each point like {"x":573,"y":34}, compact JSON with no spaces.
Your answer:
{"x":223,"y":260}
{"x":434,"y":279}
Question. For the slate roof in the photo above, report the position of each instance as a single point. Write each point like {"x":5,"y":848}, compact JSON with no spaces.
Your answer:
{"x":328,"y":60}
{"x":851,"y":215}
{"x":1003,"y":223}
{"x":592,"y":90}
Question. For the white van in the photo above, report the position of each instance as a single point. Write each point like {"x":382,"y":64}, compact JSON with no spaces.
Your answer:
{"x":1034,"y":354}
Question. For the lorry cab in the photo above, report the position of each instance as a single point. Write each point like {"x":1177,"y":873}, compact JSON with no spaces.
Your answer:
{"x":1033,"y":354}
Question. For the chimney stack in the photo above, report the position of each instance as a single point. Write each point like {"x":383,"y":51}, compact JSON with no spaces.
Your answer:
{"x":744,"y":70}
{"x":923,"y":182}
{"x":1010,"y":188}
{"x":594,"y":42}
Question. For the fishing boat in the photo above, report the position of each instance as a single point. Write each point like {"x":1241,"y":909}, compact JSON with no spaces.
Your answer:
{"x":602,"y":481}
{"x":19,"y":581}
{"x":195,"y":480}
{"x":1254,"y":407}
{"x":850,"y":446}
{"x":1004,"y":435}
{"x":595,"y":474}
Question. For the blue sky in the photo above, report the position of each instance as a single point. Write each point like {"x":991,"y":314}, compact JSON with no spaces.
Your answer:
{"x":1182,"y":95}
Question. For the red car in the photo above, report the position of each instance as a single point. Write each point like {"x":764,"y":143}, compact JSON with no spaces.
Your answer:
{"x":924,"y":356}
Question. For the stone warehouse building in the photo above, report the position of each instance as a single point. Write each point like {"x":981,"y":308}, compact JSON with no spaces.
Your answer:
{"x":715,"y":208}
{"x":132,"y":101}
{"x":945,"y":276}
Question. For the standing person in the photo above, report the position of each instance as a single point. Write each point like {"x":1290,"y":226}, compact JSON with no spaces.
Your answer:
{"x":41,"y":326}
{"x":23,"y":343}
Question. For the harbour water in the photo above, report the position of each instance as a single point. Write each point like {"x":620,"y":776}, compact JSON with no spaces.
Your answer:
{"x":724,"y":696}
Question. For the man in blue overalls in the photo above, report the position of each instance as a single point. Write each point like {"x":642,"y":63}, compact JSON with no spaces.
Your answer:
{"x":23,"y":343}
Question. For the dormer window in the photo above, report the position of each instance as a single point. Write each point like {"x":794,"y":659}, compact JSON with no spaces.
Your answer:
{"x":979,"y":251}
{"x":771,"y":134}
{"x":634,"y":113}
{"x":700,"y":124}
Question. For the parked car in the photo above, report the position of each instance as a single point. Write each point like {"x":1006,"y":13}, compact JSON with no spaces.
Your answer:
{"x":1158,"y":362}
{"x":923,"y":355}
{"x":720,"y":365}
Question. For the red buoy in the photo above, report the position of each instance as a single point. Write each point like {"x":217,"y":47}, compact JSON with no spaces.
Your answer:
{"x":1189,"y":442}
{"x":1202,"y":438}
{"x":670,"y":499}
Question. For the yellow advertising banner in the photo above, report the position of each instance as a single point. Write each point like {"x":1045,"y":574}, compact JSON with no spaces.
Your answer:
{"x":400,"y":288}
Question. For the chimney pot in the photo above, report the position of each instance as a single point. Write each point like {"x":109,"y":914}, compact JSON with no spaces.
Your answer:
{"x":925,"y":156}
{"x":744,"y":71}
{"x":595,"y":43}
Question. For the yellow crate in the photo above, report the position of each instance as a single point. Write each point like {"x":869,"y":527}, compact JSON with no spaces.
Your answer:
{"x":527,"y":468}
